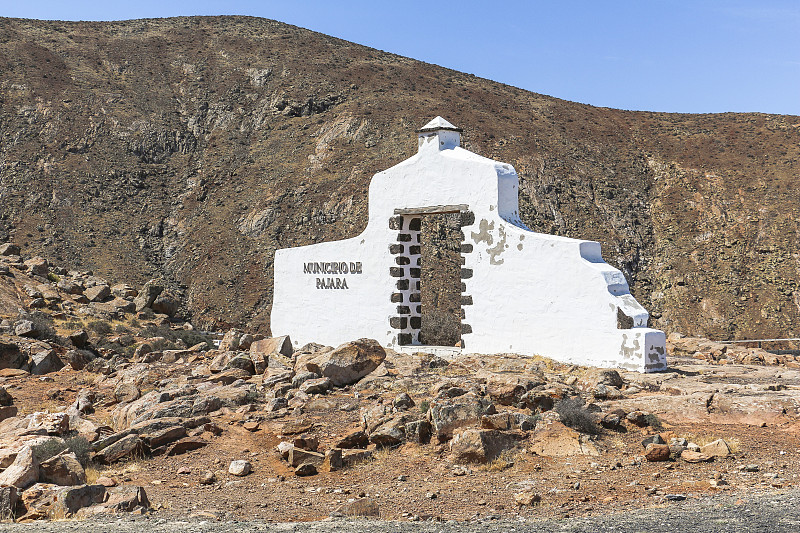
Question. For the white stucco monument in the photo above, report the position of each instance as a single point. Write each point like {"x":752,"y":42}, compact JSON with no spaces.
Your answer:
{"x":521,"y":292}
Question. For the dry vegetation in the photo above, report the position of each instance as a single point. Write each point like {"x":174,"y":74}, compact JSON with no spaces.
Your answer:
{"x":192,"y":148}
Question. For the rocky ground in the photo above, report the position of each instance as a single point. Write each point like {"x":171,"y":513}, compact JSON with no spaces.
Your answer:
{"x":109,"y":404}
{"x":768,"y":512}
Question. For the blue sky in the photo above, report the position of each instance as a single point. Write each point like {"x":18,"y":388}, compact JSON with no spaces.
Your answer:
{"x":656,"y":55}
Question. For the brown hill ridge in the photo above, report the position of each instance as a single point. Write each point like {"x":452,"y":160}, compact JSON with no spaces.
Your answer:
{"x":192,"y":148}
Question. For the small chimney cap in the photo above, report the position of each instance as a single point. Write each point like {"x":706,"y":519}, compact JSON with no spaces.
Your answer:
{"x":438,"y":124}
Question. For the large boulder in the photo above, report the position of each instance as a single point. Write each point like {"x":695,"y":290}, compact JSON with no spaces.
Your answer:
{"x":557,"y":440}
{"x":465,"y":410}
{"x":125,"y":415}
{"x":278,"y":348}
{"x":166,"y":303}
{"x":354,"y":439}
{"x":25,"y":328}
{"x":316,"y":386}
{"x":298,"y":456}
{"x":148,"y":294}
{"x":38,"y":266}
{"x":75,"y":498}
{"x":118,"y":499}
{"x":23,"y":472}
{"x":43,"y":423}
{"x":62,"y":469}
{"x":44,"y":362}
{"x":656,"y":452}
{"x":349,"y":362}
{"x":5,"y":397}
{"x":390,"y":433}
{"x":508,"y":389}
{"x":241,"y":361}
{"x":281,"y":345}
{"x":129,"y":446}
{"x":184,"y":402}
{"x":718,"y":448}
{"x":482,"y":445}
{"x":164,"y":436}
{"x":98,"y":293}
{"x":11,"y":356}
{"x":240,"y":468}
{"x":358,"y":507}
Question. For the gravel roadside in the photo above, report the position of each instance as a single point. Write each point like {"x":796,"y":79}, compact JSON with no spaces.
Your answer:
{"x":773,"y":512}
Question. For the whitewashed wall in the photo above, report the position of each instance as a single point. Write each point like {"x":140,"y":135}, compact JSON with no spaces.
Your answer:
{"x":530,"y":293}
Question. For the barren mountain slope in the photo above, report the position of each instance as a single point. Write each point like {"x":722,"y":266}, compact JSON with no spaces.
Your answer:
{"x":192,"y":148}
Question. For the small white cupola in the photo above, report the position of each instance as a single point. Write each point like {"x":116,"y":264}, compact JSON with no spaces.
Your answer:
{"x":438,"y":134}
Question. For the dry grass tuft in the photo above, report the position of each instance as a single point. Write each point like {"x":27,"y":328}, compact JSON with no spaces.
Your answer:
{"x":504,"y":461}
{"x":93,"y":473}
{"x":615,"y":442}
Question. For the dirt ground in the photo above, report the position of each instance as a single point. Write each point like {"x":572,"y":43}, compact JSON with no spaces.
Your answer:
{"x":416,"y":482}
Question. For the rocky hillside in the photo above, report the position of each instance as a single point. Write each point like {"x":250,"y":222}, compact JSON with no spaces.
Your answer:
{"x":191,"y":148}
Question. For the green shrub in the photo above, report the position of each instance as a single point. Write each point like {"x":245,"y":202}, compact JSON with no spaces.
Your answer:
{"x":80,"y":447}
{"x":101,"y":327}
{"x":106,"y":344}
{"x":54,"y":278}
{"x":253,"y":396}
{"x":47,"y":449}
{"x":574,"y":414}
{"x":424,"y":405}
{"x":654,"y":422}
{"x":191,"y":337}
{"x":126,"y":340}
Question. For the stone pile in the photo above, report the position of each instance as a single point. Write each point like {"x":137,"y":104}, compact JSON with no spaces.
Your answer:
{"x":71,"y":293}
{"x":724,"y":353}
{"x":43,"y":457}
{"x":478,"y":419}
{"x":656,"y":449}
{"x":44,"y":296}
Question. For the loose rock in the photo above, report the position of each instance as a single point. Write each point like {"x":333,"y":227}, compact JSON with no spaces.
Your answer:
{"x":718,"y":448}
{"x":349,"y":362}
{"x":306,"y":469}
{"x":527,"y":498}
{"x":239,"y":468}
{"x":656,"y":452}
{"x":360,"y":507}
